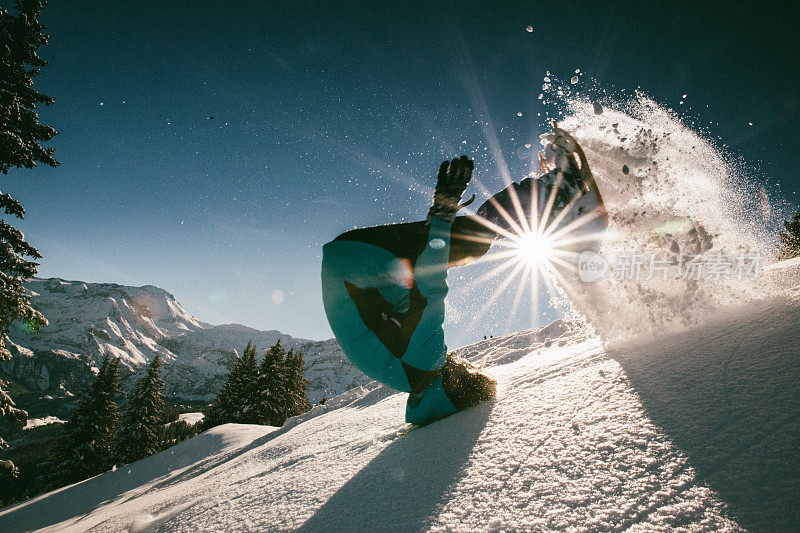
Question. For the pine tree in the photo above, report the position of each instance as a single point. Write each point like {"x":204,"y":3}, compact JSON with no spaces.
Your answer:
{"x":234,"y":401}
{"x":141,"y":429}
{"x":20,"y":135}
{"x":9,"y":413}
{"x":21,"y":37}
{"x":271,"y":401}
{"x":790,"y":239}
{"x":296,"y":395}
{"x":87,"y":447}
{"x":265,"y":394}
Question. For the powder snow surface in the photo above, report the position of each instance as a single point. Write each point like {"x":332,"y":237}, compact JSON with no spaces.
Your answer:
{"x":696,"y":431}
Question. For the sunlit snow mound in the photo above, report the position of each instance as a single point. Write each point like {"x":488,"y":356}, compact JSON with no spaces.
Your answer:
{"x":696,"y":431}
{"x":672,"y":195}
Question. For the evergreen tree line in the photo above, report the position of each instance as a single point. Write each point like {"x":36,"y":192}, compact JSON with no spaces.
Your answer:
{"x":264,"y":393}
{"x":97,"y":436}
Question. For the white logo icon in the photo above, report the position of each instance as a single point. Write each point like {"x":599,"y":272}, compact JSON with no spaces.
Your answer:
{"x":591,"y":266}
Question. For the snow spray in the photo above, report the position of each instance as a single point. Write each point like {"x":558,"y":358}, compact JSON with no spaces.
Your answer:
{"x":688,"y":232}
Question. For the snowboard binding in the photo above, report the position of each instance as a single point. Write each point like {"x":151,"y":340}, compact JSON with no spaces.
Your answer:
{"x":465,"y":383}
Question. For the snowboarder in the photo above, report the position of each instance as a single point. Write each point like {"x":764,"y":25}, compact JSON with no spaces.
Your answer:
{"x":384,"y":287}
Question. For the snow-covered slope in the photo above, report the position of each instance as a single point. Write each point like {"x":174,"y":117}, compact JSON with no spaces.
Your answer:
{"x":90,"y":320}
{"x":696,"y":431}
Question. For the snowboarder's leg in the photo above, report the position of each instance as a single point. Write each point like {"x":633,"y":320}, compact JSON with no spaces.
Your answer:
{"x":564,"y":200}
{"x":384,"y":291}
{"x":469,"y":239}
{"x":383,"y":279}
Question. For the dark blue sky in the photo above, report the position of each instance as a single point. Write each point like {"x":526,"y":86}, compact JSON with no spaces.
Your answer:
{"x":323,"y":110}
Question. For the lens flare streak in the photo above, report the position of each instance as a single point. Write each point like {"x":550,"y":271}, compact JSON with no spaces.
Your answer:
{"x":533,"y":250}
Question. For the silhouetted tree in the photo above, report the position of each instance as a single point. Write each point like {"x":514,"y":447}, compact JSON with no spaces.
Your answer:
{"x":266,"y":393}
{"x":790,"y":239}
{"x":141,"y":430}
{"x":272,"y":386}
{"x":20,"y":135}
{"x":296,"y":395}
{"x":179,"y":431}
{"x":235,"y":401}
{"x":89,"y":433}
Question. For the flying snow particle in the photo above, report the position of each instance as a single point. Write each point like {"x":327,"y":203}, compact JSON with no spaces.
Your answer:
{"x":574,"y":80}
{"x":519,"y":114}
{"x":529,"y":29}
{"x":278,"y":297}
{"x":527,"y":145}
{"x":763,"y":200}
{"x":683,"y":96}
{"x":101,"y":103}
{"x":577,"y":71}
{"x":750,"y":123}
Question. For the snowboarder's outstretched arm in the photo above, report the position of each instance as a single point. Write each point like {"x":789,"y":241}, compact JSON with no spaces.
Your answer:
{"x":469,"y":239}
{"x":426,"y":349}
{"x":415,"y":335}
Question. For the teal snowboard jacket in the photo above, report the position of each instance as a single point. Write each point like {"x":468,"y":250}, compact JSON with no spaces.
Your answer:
{"x":388,"y":315}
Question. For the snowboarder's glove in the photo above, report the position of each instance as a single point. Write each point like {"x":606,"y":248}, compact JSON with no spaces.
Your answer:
{"x":451,"y":183}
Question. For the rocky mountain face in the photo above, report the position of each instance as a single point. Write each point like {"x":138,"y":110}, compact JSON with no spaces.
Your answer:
{"x":91,"y":320}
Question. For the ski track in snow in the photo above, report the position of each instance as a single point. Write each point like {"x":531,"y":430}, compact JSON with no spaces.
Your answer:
{"x":694,"y":432}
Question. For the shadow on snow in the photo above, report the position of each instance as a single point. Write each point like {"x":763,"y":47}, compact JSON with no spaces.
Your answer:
{"x":728,"y":395}
{"x":403,"y":485}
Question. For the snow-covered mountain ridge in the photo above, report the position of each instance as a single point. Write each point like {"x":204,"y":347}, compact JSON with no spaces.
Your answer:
{"x":694,"y":431}
{"x":90,"y":320}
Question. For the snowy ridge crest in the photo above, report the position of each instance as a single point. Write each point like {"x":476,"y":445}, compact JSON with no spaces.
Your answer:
{"x":88,"y":321}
